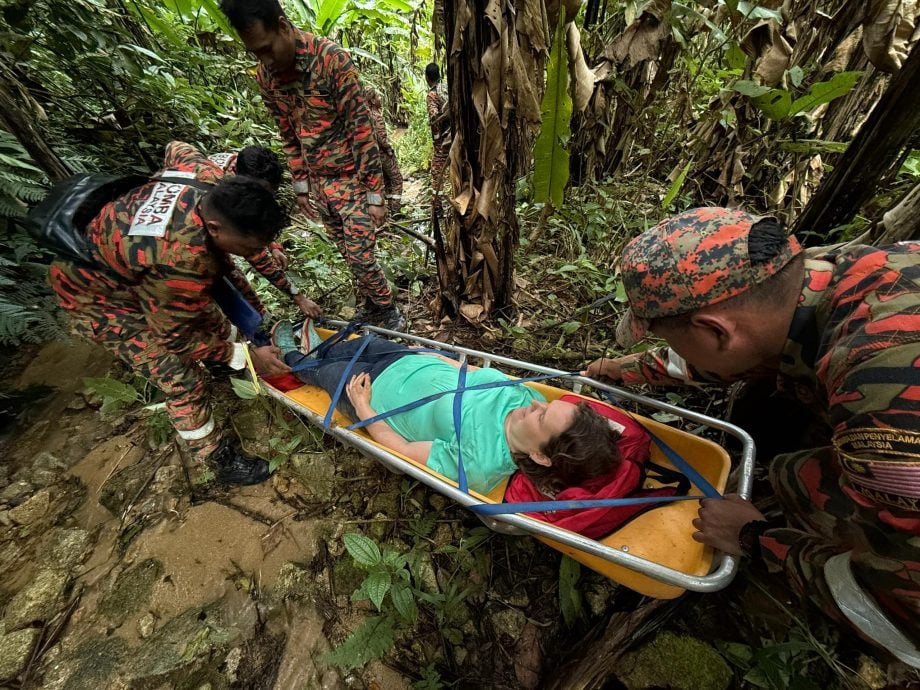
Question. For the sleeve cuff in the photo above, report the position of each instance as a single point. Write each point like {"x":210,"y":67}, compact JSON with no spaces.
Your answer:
{"x":238,"y":360}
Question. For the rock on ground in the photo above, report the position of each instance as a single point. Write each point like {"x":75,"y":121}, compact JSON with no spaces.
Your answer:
{"x":39,"y":601}
{"x":15,"y":652}
{"x":679,"y":662}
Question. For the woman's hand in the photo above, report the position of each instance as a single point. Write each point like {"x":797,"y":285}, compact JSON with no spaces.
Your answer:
{"x":359,"y":392}
{"x":267,"y":361}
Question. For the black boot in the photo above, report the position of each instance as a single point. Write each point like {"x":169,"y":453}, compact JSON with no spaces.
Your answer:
{"x":384,"y":316}
{"x":232,"y":466}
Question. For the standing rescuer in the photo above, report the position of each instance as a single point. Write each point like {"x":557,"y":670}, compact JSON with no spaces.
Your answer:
{"x":836,"y":329}
{"x":157,"y":252}
{"x":311,"y":87}
{"x":439,"y":120}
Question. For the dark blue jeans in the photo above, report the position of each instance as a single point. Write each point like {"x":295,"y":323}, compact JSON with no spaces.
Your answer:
{"x":333,"y":360}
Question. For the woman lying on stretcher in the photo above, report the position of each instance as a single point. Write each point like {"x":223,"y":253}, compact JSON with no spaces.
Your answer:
{"x":504,"y":429}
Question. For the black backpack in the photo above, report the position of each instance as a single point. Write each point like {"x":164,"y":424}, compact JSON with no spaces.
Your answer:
{"x":59,"y":222}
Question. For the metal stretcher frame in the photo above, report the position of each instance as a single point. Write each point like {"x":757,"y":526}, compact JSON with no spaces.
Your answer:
{"x":515,"y":524}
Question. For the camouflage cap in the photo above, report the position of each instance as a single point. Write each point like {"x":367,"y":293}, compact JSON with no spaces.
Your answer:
{"x":692,"y":260}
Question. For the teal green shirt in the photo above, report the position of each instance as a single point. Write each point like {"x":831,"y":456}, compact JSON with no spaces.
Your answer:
{"x":486,"y":456}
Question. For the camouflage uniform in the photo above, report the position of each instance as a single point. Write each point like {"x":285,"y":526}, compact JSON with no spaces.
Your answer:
{"x":440,"y":136}
{"x":263,"y":262}
{"x":147,"y":299}
{"x":392,"y":177}
{"x":331,"y":151}
{"x":853,"y":356}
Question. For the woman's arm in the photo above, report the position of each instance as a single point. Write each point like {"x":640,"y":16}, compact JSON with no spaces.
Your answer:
{"x":359,"y":392}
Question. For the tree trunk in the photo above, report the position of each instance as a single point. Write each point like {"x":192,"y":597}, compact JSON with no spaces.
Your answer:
{"x":855,"y":178}
{"x":21,"y":123}
{"x":495,"y":54}
{"x":901,"y":222}
{"x":596,"y":659}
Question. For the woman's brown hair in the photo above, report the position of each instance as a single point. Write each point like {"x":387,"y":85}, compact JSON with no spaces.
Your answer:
{"x":587,"y":449}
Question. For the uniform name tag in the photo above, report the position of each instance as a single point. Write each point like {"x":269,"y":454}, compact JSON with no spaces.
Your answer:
{"x":152,"y":218}
{"x":221,"y":159}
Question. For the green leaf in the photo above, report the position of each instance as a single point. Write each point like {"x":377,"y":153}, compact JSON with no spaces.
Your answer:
{"x":570,"y":327}
{"x":373,"y":639}
{"x":328,"y":15}
{"x":112,"y":389}
{"x":244,"y":389}
{"x":404,"y":601}
{"x":551,"y":159}
{"x":216,"y":16}
{"x":796,"y":76}
{"x":569,"y":596}
{"x":367,"y":55}
{"x":750,"y":88}
{"x":363,"y":550}
{"x":735,"y":57}
{"x":377,"y":585}
{"x":675,"y":188}
{"x":774,"y":103}
{"x":752,"y":11}
{"x":825,"y":91}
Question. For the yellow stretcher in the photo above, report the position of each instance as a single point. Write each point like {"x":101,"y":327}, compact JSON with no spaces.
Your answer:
{"x":653,"y":554}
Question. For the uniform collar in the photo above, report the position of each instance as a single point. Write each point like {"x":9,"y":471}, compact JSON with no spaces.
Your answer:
{"x":802,"y":344}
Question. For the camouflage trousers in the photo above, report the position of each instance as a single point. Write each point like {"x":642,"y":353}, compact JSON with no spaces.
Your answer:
{"x":824,"y":520}
{"x":342,"y":204}
{"x":123,"y":331}
{"x":392,"y":178}
{"x":439,"y":163}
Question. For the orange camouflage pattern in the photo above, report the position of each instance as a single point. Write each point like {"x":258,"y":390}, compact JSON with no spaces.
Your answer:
{"x":331,"y":150}
{"x":148,"y":299}
{"x":691,"y":260}
{"x":392,"y":177}
{"x":436,"y":102}
{"x":853,"y":356}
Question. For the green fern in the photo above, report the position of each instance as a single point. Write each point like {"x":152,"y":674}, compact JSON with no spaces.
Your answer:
{"x":372,"y":640}
{"x":20,"y":180}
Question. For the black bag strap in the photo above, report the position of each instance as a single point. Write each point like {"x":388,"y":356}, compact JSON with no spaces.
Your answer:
{"x":666,"y":475}
{"x":189,"y":182}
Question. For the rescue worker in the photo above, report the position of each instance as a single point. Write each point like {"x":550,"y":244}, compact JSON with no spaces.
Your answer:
{"x":439,"y":120}
{"x":262,"y":164}
{"x":311,"y":87}
{"x":147,"y":296}
{"x":392,"y":177}
{"x":836,"y":328}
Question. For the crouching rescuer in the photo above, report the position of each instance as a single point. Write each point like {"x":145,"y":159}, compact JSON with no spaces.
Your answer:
{"x":146,"y":296}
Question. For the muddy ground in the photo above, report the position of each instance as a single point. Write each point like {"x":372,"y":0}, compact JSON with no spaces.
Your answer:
{"x":119,"y":568}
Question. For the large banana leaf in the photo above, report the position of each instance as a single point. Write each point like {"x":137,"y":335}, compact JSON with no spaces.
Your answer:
{"x":551,"y":159}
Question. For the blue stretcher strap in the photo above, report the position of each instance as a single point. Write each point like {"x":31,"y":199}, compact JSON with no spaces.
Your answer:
{"x":235,"y":307}
{"x":551,"y":506}
{"x":690,"y":472}
{"x":434,"y":396}
{"x":458,"y":397}
{"x":306,"y":362}
{"x":327,"y":420}
{"x":504,"y":508}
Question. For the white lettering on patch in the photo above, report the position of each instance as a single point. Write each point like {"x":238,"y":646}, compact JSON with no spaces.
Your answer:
{"x":152,"y":218}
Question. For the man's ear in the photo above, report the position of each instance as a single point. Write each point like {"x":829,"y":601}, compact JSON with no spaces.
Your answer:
{"x":214,"y":227}
{"x":716,"y":326}
{"x":284,"y":25}
{"x":541,"y":459}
